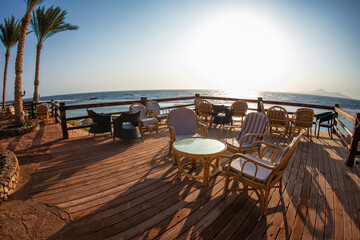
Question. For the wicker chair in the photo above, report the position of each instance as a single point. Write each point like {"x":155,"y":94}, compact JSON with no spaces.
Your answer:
{"x":278,"y":118}
{"x":255,"y":173}
{"x":42,"y":112}
{"x":302,"y":119}
{"x":239,"y":109}
{"x":147,"y":117}
{"x":160,"y":114}
{"x":254,"y":128}
{"x":204,"y":111}
{"x":183,"y":123}
{"x":101,"y":123}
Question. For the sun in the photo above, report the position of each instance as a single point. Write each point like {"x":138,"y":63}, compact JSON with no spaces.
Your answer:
{"x":237,"y":49}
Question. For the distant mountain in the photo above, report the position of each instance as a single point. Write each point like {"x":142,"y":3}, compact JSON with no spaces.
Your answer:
{"x":322,"y":92}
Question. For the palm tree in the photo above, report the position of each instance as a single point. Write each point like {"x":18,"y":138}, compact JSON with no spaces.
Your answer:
{"x":18,"y":103}
{"x":46,"y":23}
{"x":9,"y":36}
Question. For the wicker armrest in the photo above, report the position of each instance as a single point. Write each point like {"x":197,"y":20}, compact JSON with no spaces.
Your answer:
{"x":228,"y":128}
{"x":271,"y":146}
{"x":202,"y":129}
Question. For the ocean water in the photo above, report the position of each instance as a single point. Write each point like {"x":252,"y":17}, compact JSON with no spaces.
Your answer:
{"x":349,"y":105}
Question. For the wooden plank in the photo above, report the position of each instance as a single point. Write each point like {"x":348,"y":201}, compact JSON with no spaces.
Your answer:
{"x":130,"y":207}
{"x":347,"y":130}
{"x":116,"y":192}
{"x":278,"y":227}
{"x":158,"y":213}
{"x":299,"y":225}
{"x":348,"y":116}
{"x":223,"y":220}
{"x":320,"y":207}
{"x":329,"y":198}
{"x":71,"y":177}
{"x":201,"y":215}
{"x":293,"y":212}
{"x":312,"y":201}
{"x":354,"y":144}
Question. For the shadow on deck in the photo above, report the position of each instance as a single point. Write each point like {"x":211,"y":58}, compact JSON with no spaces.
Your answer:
{"x":111,"y":191}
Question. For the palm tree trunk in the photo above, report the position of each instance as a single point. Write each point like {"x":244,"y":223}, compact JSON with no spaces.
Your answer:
{"x":7,"y":56}
{"x":37,"y":67}
{"x":19,"y":117}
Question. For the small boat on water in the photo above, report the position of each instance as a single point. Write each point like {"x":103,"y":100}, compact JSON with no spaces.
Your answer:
{"x":93,"y":98}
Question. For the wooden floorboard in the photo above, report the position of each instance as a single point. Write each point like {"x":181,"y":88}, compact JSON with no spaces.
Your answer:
{"x":113,"y":191}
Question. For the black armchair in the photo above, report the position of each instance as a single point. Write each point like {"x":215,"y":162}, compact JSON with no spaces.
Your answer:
{"x":221,"y":115}
{"x":325,"y":119}
{"x":101,"y":123}
{"x":126,"y":126}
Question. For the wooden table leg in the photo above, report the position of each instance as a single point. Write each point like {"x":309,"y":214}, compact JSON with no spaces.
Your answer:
{"x":177,"y":160}
{"x":206,"y":171}
{"x":193,"y":163}
{"x":218,"y":163}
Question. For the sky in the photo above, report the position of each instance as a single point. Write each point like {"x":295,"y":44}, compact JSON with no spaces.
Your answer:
{"x":283,"y":46}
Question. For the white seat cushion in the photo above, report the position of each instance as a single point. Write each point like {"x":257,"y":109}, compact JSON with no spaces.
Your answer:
{"x":249,"y":169}
{"x":149,"y":121}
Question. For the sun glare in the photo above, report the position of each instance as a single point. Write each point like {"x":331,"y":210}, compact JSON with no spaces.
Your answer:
{"x":237,"y":49}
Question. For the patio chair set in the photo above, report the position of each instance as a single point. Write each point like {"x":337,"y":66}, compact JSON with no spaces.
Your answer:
{"x":129,"y":125}
{"x":250,"y":169}
{"x":220,"y":114}
{"x":279,"y":118}
{"x":253,"y":172}
{"x":302,"y":119}
{"x":186,"y":127}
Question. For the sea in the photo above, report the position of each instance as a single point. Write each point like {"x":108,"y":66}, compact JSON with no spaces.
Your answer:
{"x":350,"y":105}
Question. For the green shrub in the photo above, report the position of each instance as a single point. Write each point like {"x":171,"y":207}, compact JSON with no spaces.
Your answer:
{"x":76,"y":124}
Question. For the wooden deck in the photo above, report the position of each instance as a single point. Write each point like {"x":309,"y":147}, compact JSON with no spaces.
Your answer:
{"x":133,"y":192}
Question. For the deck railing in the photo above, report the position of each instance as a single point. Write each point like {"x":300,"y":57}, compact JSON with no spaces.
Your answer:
{"x":351,"y":146}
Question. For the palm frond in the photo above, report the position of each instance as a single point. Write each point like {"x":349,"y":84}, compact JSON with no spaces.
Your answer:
{"x":30,"y":4}
{"x":47,"y":22}
{"x":10,"y":32}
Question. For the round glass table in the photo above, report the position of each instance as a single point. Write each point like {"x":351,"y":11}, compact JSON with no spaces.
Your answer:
{"x":198,"y":150}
